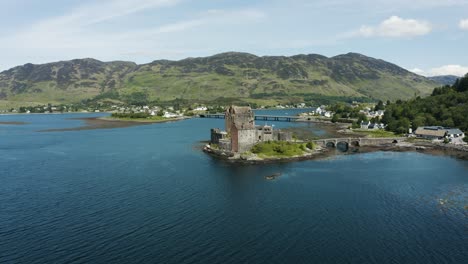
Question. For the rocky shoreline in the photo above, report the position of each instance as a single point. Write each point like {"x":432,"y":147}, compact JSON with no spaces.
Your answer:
{"x":455,"y":151}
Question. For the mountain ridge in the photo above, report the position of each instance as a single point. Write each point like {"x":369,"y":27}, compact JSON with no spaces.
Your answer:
{"x":229,"y":75}
{"x":444,"y":79}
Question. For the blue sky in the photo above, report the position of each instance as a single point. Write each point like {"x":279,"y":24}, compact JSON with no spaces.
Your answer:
{"x":429,"y":37}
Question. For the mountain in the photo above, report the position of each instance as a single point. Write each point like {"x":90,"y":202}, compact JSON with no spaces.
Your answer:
{"x":444,"y":79}
{"x":226,"y":75}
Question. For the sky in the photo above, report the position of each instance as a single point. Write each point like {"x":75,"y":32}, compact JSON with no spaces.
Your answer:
{"x":428,"y":37}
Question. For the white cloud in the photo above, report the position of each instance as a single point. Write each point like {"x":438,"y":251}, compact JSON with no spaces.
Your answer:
{"x":180,"y":26}
{"x":89,"y":31}
{"x":75,"y":28}
{"x":418,"y":71}
{"x":89,"y":14}
{"x":463,"y":24}
{"x":395,"y":27}
{"x":456,"y":70}
{"x":386,"y":5}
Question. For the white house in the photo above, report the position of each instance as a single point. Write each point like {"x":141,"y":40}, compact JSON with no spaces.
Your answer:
{"x":430,"y":132}
{"x":320,"y":110}
{"x":365,"y":125}
{"x":170,"y":115}
{"x":454,"y":133}
{"x":201,"y":108}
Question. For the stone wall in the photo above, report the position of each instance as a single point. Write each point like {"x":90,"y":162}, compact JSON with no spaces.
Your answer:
{"x":282,"y":136}
{"x":239,"y":117}
{"x":217,"y":135}
{"x":265,"y":133}
{"x":247,"y":138}
{"x":225,"y":144}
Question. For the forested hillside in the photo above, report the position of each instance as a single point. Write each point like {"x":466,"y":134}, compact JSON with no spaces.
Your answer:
{"x":447,"y":106}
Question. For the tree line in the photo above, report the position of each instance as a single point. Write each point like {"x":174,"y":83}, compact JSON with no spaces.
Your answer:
{"x":447,"y":106}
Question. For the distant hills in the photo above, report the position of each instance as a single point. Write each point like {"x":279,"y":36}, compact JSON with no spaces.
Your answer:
{"x":227,"y":75}
{"x":444,"y":79}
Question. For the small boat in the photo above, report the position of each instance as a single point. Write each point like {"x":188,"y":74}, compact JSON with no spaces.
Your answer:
{"x":273,"y":176}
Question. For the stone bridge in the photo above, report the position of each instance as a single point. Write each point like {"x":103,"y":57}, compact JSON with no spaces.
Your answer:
{"x":344,"y":143}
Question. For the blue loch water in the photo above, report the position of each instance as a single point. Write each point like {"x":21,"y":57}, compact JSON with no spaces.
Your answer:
{"x":147,"y":194}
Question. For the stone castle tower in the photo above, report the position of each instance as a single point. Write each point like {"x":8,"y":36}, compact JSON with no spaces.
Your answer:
{"x":241,"y":134}
{"x":240,"y":117}
{"x":240,"y":125}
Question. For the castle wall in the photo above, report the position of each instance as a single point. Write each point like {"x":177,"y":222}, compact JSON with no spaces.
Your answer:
{"x":225,"y":144}
{"x":264,"y":133}
{"x":247,"y":138}
{"x":217,"y":135}
{"x":234,"y":139}
{"x":267,"y":137}
{"x":228,"y":121}
{"x":282,"y":136}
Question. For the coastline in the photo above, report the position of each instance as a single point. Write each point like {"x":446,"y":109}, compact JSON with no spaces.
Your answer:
{"x":454,"y":151}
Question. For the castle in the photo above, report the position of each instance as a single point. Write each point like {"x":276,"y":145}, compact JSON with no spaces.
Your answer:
{"x":241,"y":133}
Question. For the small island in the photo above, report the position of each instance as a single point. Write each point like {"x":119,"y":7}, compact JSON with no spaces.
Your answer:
{"x":242,"y":140}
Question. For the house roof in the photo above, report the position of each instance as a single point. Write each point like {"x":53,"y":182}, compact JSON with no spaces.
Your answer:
{"x":431,"y":131}
{"x":454,"y":131}
{"x":437,"y":131}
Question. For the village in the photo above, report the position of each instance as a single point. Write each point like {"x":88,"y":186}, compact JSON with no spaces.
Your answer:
{"x":367,"y":117}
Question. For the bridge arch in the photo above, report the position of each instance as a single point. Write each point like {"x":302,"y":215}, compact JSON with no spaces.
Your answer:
{"x":355,"y":143}
{"x":343,"y":146}
{"x":330,"y":144}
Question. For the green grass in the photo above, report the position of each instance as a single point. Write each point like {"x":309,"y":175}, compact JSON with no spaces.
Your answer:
{"x":139,"y":117}
{"x":280,"y":149}
{"x":376,"y":133}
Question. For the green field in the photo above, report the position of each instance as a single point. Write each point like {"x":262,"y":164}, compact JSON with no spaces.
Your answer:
{"x":380,"y":133}
{"x":281,"y":149}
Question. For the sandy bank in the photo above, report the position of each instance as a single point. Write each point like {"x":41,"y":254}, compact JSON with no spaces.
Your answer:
{"x":92,"y":123}
{"x":13,"y":123}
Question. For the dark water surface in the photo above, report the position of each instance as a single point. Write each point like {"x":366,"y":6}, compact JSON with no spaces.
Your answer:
{"x":147,"y":194}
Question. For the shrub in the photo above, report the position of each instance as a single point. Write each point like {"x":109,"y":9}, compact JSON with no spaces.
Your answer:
{"x":131,"y":115}
{"x":278,"y":148}
{"x":310,"y":145}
